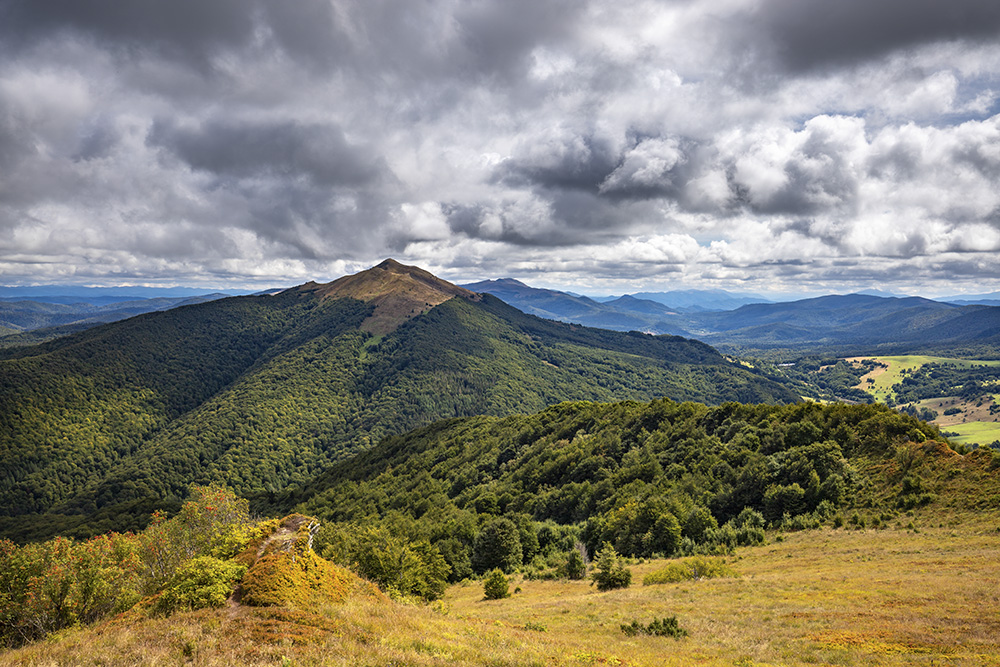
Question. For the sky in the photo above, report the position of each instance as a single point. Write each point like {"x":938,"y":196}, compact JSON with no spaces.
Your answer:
{"x":594,"y":145}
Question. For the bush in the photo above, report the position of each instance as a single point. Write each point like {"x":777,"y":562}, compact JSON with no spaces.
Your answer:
{"x":783,"y":499}
{"x":398,"y":566}
{"x":687,"y":569}
{"x":699,"y":521}
{"x":576,"y":567}
{"x":665,"y":627}
{"x":495,"y":585}
{"x":213,"y":522}
{"x":51,"y":585}
{"x":610,"y":572}
{"x":201,"y":582}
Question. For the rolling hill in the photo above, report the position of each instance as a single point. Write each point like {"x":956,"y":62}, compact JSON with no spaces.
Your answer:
{"x":263,"y":392}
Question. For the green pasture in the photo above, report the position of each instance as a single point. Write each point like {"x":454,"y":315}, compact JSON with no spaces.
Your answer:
{"x":880,"y":389}
{"x":980,"y":433}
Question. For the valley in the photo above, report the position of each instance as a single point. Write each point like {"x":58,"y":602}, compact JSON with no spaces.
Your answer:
{"x":419,"y":438}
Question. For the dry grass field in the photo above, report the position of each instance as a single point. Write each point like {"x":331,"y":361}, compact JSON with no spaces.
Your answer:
{"x":887,"y":597}
{"x":929,"y":595}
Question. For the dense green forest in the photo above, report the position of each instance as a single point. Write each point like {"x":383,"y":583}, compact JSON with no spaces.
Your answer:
{"x":937,"y":379}
{"x":99,"y":428}
{"x":648,"y":478}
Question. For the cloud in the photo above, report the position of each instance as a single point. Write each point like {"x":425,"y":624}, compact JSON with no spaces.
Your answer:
{"x":811,"y":34}
{"x":281,"y":148}
{"x":696,"y":140}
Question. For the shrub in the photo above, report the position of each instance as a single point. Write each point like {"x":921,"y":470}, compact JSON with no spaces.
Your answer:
{"x":576,"y":567}
{"x":699,"y":520}
{"x":610,"y":572}
{"x":398,"y":566}
{"x":697,"y":567}
{"x":213,"y":522}
{"x":201,"y":582}
{"x":47,"y":586}
{"x":665,"y":627}
{"x":782,"y":499}
{"x":495,"y":585}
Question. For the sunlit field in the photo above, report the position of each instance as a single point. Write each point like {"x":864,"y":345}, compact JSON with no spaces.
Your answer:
{"x":883,"y":379}
{"x":926,"y":595}
{"x":974,"y":432}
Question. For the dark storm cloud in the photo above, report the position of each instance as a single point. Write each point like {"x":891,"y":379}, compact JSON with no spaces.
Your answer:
{"x":281,"y":149}
{"x":15,"y":139}
{"x":500,"y":35}
{"x":180,"y":28}
{"x":97,"y":141}
{"x":809,"y":34}
{"x":426,"y":40}
{"x":303,"y":187}
{"x":582,"y":162}
{"x":278,"y":138}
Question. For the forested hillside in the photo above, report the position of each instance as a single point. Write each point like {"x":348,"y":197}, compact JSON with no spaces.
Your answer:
{"x":532,"y":494}
{"x":262,"y":392}
{"x":649,"y":478}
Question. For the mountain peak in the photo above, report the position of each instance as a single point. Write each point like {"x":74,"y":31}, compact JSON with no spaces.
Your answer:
{"x":398,"y":291}
{"x":389,"y":264}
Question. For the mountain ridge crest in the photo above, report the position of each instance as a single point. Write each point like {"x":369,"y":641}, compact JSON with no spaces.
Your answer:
{"x":399,"y":292}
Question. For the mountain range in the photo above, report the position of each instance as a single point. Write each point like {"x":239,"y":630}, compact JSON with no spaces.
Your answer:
{"x":855,"y":322}
{"x":263,"y":392}
{"x":867,"y":322}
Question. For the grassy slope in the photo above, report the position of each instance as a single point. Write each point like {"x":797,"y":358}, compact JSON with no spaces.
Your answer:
{"x":891,"y":597}
{"x":884,"y":379}
{"x":886,"y":597}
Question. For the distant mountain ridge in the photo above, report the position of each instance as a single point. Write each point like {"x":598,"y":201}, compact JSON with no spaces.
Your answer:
{"x":262,"y":392}
{"x":863,"y":321}
{"x":25,"y":322}
{"x":695,"y":300}
{"x":102,"y":295}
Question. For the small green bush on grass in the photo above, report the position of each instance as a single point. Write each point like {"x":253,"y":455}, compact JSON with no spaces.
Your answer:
{"x":697,"y":567}
{"x":665,"y":627}
{"x":610,"y":571}
{"x":495,"y":585}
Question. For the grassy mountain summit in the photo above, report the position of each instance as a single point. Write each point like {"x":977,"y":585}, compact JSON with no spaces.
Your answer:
{"x":263,"y":392}
{"x":398,"y":292}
